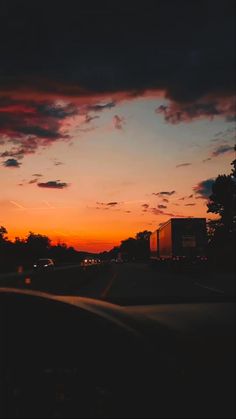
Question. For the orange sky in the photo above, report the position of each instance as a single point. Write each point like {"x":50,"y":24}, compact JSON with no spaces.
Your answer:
{"x":112,"y":173}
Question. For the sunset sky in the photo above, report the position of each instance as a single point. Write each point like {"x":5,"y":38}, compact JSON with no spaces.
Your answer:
{"x":112,"y":119}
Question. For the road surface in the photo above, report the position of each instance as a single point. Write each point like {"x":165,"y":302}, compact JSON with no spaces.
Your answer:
{"x":128,"y":283}
{"x":137,"y":283}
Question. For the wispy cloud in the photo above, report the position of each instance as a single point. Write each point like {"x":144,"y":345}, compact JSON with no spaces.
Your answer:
{"x":223,"y":149}
{"x":183,"y":165}
{"x":17,"y":205}
{"x":157,"y":211}
{"x":118,"y":122}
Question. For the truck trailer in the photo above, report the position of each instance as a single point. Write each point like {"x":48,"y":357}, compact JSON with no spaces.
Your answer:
{"x":178,"y":239}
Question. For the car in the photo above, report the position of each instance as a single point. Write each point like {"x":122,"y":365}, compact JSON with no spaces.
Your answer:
{"x":44,"y":264}
{"x":79,"y":357}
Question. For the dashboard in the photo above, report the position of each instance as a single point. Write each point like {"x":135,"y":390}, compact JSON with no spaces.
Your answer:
{"x":75,"y":357}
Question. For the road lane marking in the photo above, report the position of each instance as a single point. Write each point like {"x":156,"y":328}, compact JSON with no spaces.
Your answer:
{"x":209,"y":288}
{"x":108,"y":288}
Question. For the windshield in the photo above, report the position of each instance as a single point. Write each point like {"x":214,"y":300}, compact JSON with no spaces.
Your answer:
{"x":117,"y":151}
{"x":117,"y":209}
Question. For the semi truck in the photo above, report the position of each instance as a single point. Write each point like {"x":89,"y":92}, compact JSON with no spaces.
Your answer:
{"x":179,"y":239}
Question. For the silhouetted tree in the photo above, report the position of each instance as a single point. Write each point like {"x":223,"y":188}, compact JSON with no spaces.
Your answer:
{"x":3,"y":233}
{"x":142,"y":245}
{"x":129,"y":248}
{"x":143,"y":235}
{"x":38,"y":245}
{"x":222,"y":231}
{"x":212,"y":226}
{"x":23,"y":252}
{"x":223,"y":201}
{"x":234,"y":166}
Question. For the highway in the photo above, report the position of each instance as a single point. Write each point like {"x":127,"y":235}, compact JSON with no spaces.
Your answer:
{"x":128,"y":283}
{"x":139,"y":283}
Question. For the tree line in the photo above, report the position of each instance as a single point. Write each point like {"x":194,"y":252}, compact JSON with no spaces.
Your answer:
{"x":24,"y":252}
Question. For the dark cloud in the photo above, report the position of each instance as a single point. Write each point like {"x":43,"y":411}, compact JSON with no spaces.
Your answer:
{"x":166,"y":200}
{"x":12,"y":163}
{"x":90,"y":118}
{"x":40,"y":132}
{"x":190,"y":205}
{"x":57,"y":111}
{"x":206,"y":160}
{"x":145,"y":206}
{"x":53,"y":184}
{"x":204,"y":188}
{"x":101,"y":107}
{"x":112,"y":204}
{"x":178,"y":112}
{"x":183,"y":165}
{"x":164,"y":193}
{"x":78,"y":51}
{"x":222,"y":149}
{"x":37,"y":175}
{"x":63,"y":62}
{"x":162,"y":206}
{"x":27,"y":125}
{"x":183,"y":198}
{"x":31,"y":182}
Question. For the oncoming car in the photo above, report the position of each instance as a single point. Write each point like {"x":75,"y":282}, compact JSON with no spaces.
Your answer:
{"x":44,"y":264}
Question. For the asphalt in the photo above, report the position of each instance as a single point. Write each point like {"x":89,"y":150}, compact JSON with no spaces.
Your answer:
{"x":128,"y":283}
{"x":136,"y":283}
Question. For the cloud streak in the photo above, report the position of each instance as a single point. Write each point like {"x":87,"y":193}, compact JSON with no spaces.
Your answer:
{"x":183,"y":165}
{"x":53,"y":184}
{"x":108,"y":204}
{"x":164,"y":193}
{"x":222,"y":149}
